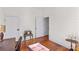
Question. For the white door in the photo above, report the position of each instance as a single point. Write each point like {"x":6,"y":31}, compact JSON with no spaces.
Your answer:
{"x":11,"y":26}
{"x":42,"y":26}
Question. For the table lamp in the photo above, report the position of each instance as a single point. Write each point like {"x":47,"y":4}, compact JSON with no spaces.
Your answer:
{"x":2,"y":28}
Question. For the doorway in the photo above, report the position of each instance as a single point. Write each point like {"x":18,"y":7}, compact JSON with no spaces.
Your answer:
{"x":42,"y":26}
{"x":11,"y":26}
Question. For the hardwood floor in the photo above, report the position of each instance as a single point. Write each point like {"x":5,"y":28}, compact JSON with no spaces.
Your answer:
{"x":44,"y":41}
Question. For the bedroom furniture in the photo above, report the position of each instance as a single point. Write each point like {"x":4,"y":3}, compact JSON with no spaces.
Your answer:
{"x":8,"y":44}
{"x":28,"y":33}
{"x":72,"y":41}
{"x":18,"y":44}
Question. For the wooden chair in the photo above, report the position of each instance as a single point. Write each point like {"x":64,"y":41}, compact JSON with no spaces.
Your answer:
{"x":1,"y":36}
{"x":18,"y":44}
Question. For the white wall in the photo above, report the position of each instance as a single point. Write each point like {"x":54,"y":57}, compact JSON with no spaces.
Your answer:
{"x":26,"y":19}
{"x":1,"y":17}
{"x":63,"y":20}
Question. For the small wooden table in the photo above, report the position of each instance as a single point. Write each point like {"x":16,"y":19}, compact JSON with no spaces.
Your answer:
{"x":8,"y":45}
{"x":72,"y":41}
{"x":28,"y":33}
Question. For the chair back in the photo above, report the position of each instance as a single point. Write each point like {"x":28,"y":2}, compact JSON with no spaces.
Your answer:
{"x":1,"y":36}
{"x":18,"y":44}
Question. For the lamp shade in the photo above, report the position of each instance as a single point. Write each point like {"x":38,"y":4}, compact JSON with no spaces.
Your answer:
{"x":2,"y":28}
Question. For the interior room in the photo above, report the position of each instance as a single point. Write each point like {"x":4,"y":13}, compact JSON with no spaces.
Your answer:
{"x":39,"y":28}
